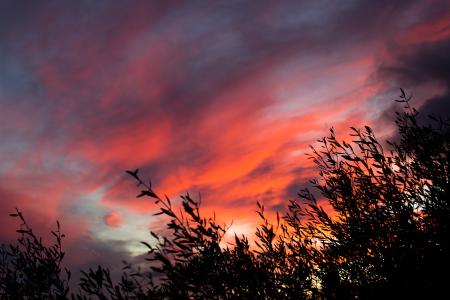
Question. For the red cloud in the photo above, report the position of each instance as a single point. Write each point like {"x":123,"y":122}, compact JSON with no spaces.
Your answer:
{"x":113,"y":219}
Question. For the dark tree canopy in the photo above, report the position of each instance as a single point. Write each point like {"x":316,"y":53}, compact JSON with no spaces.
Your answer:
{"x":384,"y":234}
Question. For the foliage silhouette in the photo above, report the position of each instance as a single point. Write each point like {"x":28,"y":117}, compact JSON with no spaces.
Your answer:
{"x":31,"y":270}
{"x":388,"y":234}
{"x":375,"y":224}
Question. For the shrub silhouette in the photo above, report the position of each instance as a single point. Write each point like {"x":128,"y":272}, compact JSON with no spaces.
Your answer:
{"x":384,"y":234}
{"x":31,"y":270}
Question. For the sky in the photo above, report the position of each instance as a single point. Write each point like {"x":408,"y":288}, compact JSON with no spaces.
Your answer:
{"x":220,"y":99}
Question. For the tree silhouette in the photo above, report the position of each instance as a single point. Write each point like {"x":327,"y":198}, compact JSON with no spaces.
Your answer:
{"x":375,"y":224}
{"x":388,"y":234}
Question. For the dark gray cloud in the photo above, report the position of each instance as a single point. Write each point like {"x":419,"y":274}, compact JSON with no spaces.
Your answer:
{"x":437,"y":106}
{"x":416,"y":67}
{"x":84,"y":254}
{"x":427,"y":62}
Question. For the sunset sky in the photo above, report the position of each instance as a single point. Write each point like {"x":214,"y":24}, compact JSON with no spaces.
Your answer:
{"x":216,"y":98}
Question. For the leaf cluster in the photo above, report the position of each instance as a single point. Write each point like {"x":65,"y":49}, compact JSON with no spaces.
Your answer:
{"x":32,"y":270}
